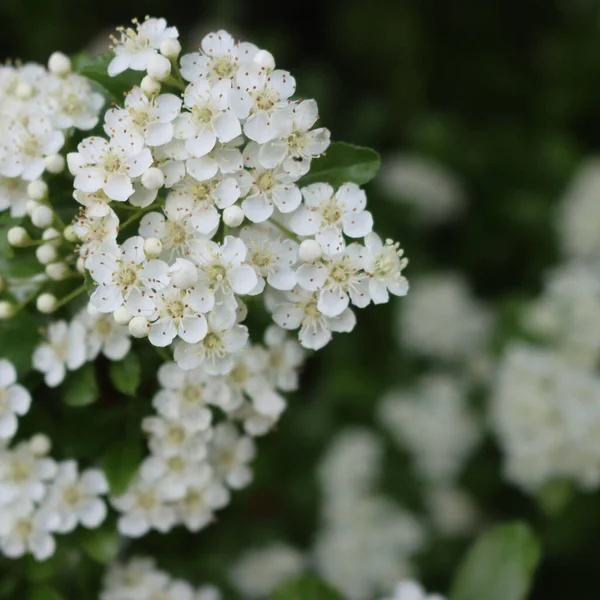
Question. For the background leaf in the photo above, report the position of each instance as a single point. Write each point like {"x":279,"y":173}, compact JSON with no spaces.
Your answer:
{"x":499,"y":566}
{"x":126,"y":374}
{"x":342,"y":163}
{"x":81,"y":387}
{"x":121,"y":462}
{"x":307,"y":587}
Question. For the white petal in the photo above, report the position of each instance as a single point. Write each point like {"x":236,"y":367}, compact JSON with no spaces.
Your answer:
{"x":243,"y":279}
{"x":332,"y":302}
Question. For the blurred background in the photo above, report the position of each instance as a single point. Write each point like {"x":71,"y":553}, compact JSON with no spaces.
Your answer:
{"x":484,"y":112}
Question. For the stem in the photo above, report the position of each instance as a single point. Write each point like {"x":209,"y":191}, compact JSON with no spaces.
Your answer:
{"x":136,"y":215}
{"x":66,"y":299}
{"x":285,"y":230}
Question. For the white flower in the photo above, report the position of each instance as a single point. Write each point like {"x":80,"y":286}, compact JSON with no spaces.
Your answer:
{"x":125,"y":276}
{"x":196,"y":509}
{"x":337,"y":279}
{"x":326,"y":215}
{"x":224,"y":338}
{"x":104,"y":335}
{"x":74,"y":498}
{"x":220,"y":192}
{"x":452,"y":510}
{"x":411,"y":590}
{"x":13,"y":195}
{"x":180,"y":313}
{"x":300,"y":310}
{"x":229,"y":454}
{"x":64,"y":349}
{"x":28,"y":145}
{"x":258,"y":572}
{"x":143,"y":120}
{"x":225,"y":159}
{"x":208,"y":117}
{"x":94,"y":232}
{"x":284,"y":358}
{"x":297,"y":144}
{"x":143,"y":510}
{"x":136,"y":46}
{"x":221,"y":57}
{"x":271,"y":256}
{"x":266,"y":189}
{"x":261,"y":97}
{"x":383,"y":264}
{"x":178,"y":437}
{"x":14,"y":400}
{"x":102,"y":165}
{"x":434,"y":423}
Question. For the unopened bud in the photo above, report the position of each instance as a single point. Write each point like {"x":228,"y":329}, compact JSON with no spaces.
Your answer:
{"x":42,"y":216}
{"x":45,"y":254}
{"x":17,"y":237}
{"x":159,"y":67}
{"x":37,"y":190}
{"x":55,"y":163}
{"x":46,"y":303}
{"x":152,"y":247}
{"x":139,"y":327}
{"x":310,"y":251}
{"x":233,"y":216}
{"x":59,"y":64}
{"x":150,"y":86}
{"x":170,"y":48}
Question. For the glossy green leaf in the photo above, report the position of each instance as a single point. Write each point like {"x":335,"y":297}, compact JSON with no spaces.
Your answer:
{"x":96,"y":69}
{"x":499,"y":566}
{"x":81,"y":387}
{"x":126,"y":374}
{"x":121,"y":462}
{"x":343,"y":163}
{"x":307,"y":587}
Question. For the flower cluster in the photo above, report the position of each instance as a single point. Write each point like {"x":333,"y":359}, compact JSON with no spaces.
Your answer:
{"x":546,"y":413}
{"x":358,"y":522}
{"x":140,"y":579}
{"x":38,"y":496}
{"x":38,"y":108}
{"x":234,"y":223}
{"x":194,"y":459}
{"x":411,"y":590}
{"x":433,"y":421}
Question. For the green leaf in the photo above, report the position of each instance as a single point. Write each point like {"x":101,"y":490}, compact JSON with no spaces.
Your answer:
{"x":499,"y":566}
{"x":121,"y":462}
{"x":126,"y":374}
{"x":101,"y":545}
{"x":81,"y":387}
{"x":342,"y":163}
{"x":307,"y":587}
{"x":96,"y":69}
{"x":554,"y":496}
{"x":18,"y":338}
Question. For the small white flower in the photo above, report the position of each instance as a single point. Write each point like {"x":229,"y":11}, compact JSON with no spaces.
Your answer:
{"x":104,"y":335}
{"x":74,"y":498}
{"x":411,"y":590}
{"x":284,"y":358}
{"x":13,"y":195}
{"x":300,"y":310}
{"x":178,"y":437}
{"x":96,"y":233}
{"x":64,"y":349}
{"x":326,"y":215}
{"x":14,"y":400}
{"x":102,"y":165}
{"x":136,"y":46}
{"x":196,"y":509}
{"x":229,"y":454}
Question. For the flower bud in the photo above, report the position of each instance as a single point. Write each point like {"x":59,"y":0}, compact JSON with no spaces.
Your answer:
{"x":46,"y":303}
{"x":170,"y":48}
{"x":69,"y":234}
{"x":310,"y":251}
{"x":122,"y":316}
{"x":59,"y":64}
{"x":55,"y":163}
{"x":46,"y":253}
{"x":58,"y":271}
{"x":51,"y":234}
{"x":159,"y":67}
{"x":139,"y":327}
{"x":184,"y":274}
{"x":233,"y":216}
{"x":30,"y":206}
{"x":17,"y":237}
{"x":92,"y":310}
{"x":37,"y":190}
{"x":152,"y":247}
{"x":42,"y":216}
{"x":40,"y":444}
{"x":153,"y":178}
{"x":7,"y":310}
{"x":264,"y":59}
{"x":150,"y":86}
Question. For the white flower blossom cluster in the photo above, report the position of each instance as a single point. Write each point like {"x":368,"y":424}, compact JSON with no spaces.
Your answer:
{"x":194,"y":460}
{"x":411,"y":590}
{"x":38,"y":108}
{"x":69,"y":345}
{"x":440,"y":319}
{"x":433,"y":191}
{"x":259,"y":571}
{"x":434,"y":423}
{"x":140,"y":579}
{"x":546,"y":413}
{"x":366,"y":541}
{"x":567,"y":314}
{"x":38,"y":496}
{"x":234,"y":223}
